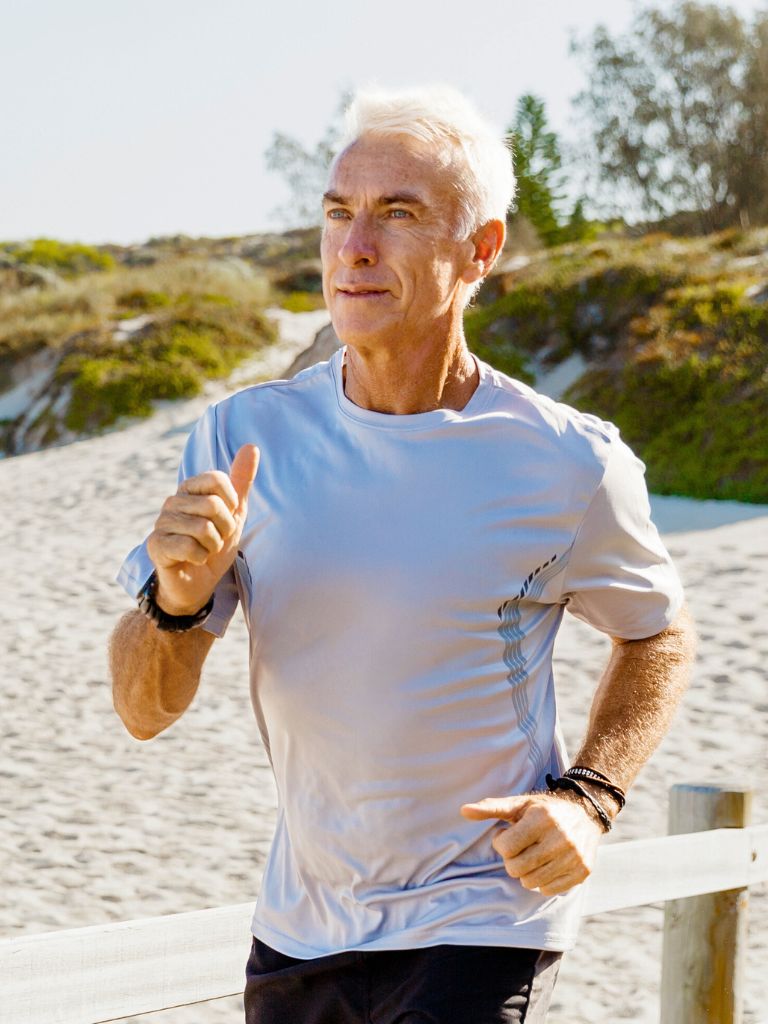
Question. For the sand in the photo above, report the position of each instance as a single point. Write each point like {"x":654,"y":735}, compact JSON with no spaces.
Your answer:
{"x":98,"y":827}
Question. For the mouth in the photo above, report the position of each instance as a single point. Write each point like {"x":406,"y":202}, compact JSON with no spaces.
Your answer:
{"x":361,"y":292}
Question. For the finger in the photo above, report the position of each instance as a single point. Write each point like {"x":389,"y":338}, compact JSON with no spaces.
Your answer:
{"x":521,"y":844}
{"x":172,"y":548}
{"x":541,"y":876}
{"x":203,"y":530}
{"x":243,"y":471}
{"x":212,"y":482}
{"x":207,"y":506}
{"x":508,"y":808}
{"x":561,"y":884}
{"x":531,"y":836}
{"x":535,"y":866}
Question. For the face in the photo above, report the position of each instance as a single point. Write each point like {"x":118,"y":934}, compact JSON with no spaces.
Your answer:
{"x":393,"y":268}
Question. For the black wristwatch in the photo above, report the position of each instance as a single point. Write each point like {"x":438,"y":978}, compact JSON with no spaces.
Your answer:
{"x":169,"y":623}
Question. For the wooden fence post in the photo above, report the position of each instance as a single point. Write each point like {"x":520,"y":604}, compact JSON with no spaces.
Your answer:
{"x":705,"y":937}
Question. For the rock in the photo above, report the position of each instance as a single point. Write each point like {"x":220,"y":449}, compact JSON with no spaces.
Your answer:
{"x":322,"y":348}
{"x":307,"y":277}
{"x":16,"y":276}
{"x":758,"y":293}
{"x":138,"y":257}
{"x":235,"y":267}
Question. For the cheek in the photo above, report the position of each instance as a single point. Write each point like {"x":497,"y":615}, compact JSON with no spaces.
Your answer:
{"x":327,"y":263}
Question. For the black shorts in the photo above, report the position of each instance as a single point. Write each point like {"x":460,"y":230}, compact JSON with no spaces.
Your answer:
{"x":434,"y":985}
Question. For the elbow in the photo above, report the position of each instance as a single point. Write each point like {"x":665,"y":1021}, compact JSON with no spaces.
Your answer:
{"x":139,"y":733}
{"x":682,"y":635}
{"x":138,"y":730}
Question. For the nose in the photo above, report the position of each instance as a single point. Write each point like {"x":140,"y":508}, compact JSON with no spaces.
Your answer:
{"x":358,"y":249}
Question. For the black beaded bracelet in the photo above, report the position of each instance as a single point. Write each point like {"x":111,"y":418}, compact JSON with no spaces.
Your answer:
{"x":576,"y":787}
{"x":164,"y":620}
{"x":580,"y":771}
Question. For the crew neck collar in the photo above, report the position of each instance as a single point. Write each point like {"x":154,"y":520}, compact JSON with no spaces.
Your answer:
{"x":409,"y":421}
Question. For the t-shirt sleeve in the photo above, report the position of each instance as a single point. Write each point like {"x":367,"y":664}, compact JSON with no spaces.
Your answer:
{"x":620,"y":577}
{"x":201,"y":453}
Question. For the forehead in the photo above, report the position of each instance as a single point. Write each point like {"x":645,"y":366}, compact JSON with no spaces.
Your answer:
{"x":376,"y":166}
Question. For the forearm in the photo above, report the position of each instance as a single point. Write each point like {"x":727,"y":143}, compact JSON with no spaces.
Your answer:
{"x":155,"y":674}
{"x":635,"y":702}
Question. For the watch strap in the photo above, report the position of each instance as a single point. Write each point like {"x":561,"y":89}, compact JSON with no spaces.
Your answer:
{"x":147,"y":604}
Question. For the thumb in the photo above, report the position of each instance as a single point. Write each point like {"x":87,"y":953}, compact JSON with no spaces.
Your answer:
{"x":243,"y":471}
{"x":509,"y":808}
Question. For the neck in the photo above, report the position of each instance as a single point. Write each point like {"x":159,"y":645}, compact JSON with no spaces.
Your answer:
{"x":412,"y":377}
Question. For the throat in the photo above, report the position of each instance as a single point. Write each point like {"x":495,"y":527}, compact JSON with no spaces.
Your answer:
{"x":406,"y":390}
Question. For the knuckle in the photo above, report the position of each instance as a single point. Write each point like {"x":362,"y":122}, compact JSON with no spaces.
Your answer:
{"x":569,"y":846}
{"x":213,"y":536}
{"x":204,"y":530}
{"x":542,"y":814}
{"x":214,"y":504}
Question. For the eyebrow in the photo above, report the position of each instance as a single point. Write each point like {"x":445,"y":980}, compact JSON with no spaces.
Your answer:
{"x":396,"y":199}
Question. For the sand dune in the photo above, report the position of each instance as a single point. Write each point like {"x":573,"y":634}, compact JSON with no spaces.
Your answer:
{"x":98,"y":827}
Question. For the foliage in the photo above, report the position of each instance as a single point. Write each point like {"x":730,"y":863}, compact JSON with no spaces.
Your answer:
{"x":302,"y":302}
{"x":141,"y":300}
{"x":103,"y":389}
{"x":68,"y":258}
{"x":674,"y":333}
{"x":200,"y":317}
{"x":305,"y":171}
{"x":540,"y":179}
{"x":679,"y":107}
{"x":170,"y":361}
{"x":692,"y":400}
{"x":537,"y":164}
{"x":567,"y":305}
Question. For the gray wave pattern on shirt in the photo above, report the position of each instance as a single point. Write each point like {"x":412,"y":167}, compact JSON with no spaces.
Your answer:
{"x":514,"y":656}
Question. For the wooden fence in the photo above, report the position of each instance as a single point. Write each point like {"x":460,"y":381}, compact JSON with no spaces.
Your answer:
{"x":108,"y":972}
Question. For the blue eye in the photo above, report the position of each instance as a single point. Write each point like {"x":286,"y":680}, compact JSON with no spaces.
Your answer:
{"x":399,"y":214}
{"x":336,"y":214}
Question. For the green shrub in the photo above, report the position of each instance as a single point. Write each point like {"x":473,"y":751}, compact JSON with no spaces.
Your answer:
{"x":103,"y":390}
{"x":193,"y":298}
{"x":68,"y":258}
{"x":141,"y":300}
{"x":302,"y":302}
{"x":700,"y":424}
{"x":564,"y":308}
{"x":171,"y":360}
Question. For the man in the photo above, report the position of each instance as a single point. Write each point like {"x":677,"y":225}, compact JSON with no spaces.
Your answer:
{"x":418,"y":523}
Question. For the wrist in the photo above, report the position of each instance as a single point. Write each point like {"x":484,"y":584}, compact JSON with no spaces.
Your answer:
{"x":587,"y":806}
{"x":607,"y":801}
{"x":164,"y":619}
{"x":166,"y":603}
{"x":576,"y":790}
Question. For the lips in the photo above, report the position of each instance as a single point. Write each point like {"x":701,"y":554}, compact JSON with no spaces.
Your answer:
{"x":358,"y":291}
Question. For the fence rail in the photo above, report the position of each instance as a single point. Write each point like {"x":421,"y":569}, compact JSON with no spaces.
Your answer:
{"x":108,"y":972}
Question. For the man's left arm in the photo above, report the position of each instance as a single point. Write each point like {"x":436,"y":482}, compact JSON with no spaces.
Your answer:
{"x":551,"y":841}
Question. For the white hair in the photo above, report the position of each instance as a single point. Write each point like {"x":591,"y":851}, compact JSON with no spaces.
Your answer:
{"x":479,"y":155}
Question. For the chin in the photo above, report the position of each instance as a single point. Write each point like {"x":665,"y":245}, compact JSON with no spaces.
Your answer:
{"x":360,"y":333}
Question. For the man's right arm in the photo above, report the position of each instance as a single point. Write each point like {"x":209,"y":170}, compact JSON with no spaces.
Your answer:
{"x":156,"y":673}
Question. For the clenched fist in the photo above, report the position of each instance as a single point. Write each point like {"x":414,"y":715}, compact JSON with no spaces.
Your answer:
{"x":197,"y":533}
{"x":550,"y":843}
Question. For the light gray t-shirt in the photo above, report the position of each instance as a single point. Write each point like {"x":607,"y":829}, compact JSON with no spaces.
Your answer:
{"x":403,"y":578}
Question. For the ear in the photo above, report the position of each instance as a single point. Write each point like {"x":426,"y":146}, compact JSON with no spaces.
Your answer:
{"x":487,"y":243}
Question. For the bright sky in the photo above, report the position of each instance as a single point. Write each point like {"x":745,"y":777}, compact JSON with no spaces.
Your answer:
{"x":130,"y":118}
